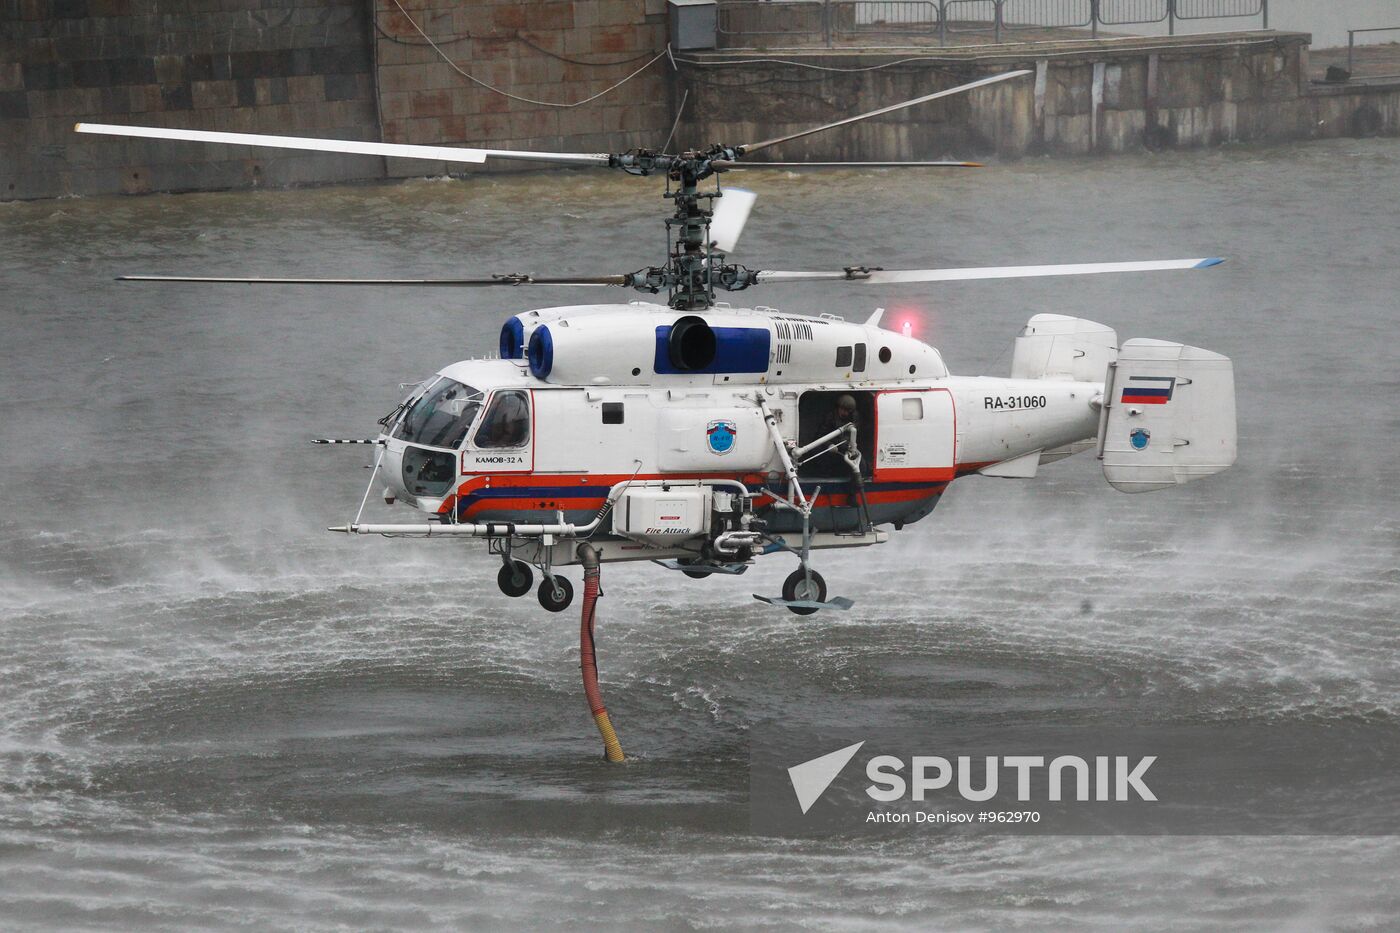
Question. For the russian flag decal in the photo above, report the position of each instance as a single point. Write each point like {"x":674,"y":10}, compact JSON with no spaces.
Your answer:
{"x":1149,"y":390}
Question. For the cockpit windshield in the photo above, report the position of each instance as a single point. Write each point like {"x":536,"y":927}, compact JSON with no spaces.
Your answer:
{"x":441,"y":416}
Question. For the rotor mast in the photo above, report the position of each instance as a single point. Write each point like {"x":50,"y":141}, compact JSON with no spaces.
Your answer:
{"x":691,"y":290}
{"x":692,"y":268}
{"x":690,"y":261}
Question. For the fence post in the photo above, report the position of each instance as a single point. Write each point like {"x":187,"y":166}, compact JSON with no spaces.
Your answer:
{"x":826,"y":22}
{"x":1094,"y":18}
{"x":996,"y":28}
{"x":942,"y":22}
{"x":1171,"y":17}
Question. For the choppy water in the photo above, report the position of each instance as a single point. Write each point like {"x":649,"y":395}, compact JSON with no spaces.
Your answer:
{"x":212,"y":713}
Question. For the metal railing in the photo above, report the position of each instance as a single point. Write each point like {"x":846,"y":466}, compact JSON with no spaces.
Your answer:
{"x":821,"y":22}
{"x":1132,"y":12}
{"x":1070,"y":14}
{"x":1351,"y":43}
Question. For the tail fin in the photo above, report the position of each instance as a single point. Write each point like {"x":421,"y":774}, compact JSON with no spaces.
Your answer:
{"x":1168,"y":416}
{"x":1053,"y":346}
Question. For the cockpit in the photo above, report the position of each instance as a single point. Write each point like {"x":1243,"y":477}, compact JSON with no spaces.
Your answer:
{"x":443,"y":417}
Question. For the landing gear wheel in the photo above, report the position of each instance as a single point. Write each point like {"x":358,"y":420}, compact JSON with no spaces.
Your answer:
{"x":515,"y":578}
{"x":695,"y":574}
{"x":797,"y":586}
{"x":555,"y":593}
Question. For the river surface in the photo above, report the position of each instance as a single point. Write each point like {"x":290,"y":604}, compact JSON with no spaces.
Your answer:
{"x":213,"y":714}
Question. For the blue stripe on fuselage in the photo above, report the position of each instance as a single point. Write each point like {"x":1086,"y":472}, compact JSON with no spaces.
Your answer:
{"x":598,"y":492}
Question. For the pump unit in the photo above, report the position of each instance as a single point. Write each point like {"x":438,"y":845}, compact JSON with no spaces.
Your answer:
{"x":663,"y":514}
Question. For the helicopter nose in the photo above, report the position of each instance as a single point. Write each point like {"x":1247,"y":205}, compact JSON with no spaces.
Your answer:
{"x":391,"y":472}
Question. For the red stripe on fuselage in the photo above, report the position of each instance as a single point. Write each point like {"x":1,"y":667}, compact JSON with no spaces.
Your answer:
{"x":556,"y":481}
{"x":915,"y":474}
{"x":591,"y":501}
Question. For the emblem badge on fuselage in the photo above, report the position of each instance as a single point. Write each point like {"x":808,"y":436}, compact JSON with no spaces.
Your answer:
{"x":720,"y":436}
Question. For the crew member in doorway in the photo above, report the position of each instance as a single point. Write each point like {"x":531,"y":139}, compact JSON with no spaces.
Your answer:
{"x":844,"y":412}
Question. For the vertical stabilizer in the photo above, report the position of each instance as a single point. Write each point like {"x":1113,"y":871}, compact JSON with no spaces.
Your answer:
{"x":1054,"y":346}
{"x":1168,"y":416}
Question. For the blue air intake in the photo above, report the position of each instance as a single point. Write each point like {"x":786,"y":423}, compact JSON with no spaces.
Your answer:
{"x":513,"y":339}
{"x":541,"y":354}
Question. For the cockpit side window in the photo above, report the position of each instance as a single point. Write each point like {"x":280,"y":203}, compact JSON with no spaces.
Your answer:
{"x":442,"y":416}
{"x":507,"y":421}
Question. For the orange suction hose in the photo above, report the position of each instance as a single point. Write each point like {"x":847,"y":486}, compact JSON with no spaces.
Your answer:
{"x":588,"y":658}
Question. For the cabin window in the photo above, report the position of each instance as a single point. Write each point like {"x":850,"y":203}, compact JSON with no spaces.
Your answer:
{"x":913,"y":409}
{"x":859,"y":365}
{"x":441,"y":416}
{"x":428,"y":472}
{"x":843,"y":357}
{"x":507,"y":421}
{"x":612,"y":413}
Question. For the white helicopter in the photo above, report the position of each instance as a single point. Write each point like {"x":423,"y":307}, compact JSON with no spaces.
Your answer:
{"x":702,"y":436}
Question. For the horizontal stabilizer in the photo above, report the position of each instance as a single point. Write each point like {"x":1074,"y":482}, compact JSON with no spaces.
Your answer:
{"x":1168,"y":416}
{"x":1069,"y":450}
{"x":1022,"y":467}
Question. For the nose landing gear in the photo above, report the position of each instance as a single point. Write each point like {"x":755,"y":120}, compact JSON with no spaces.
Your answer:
{"x":555,"y":593}
{"x":515,"y":578}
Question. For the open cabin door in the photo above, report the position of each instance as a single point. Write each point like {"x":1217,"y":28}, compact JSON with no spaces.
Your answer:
{"x":915,"y":436}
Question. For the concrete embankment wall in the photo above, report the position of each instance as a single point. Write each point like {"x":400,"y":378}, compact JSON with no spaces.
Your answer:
{"x":298,"y":67}
{"x":359,"y":69}
{"x":1084,"y":96}
{"x":550,"y":51}
{"x":349,"y":69}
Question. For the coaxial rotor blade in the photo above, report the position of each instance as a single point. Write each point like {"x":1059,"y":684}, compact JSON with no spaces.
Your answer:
{"x":518,"y":279}
{"x":962,"y":88}
{"x":730,"y":214}
{"x":396,"y":150}
{"x":743,"y":166}
{"x":875,"y":276}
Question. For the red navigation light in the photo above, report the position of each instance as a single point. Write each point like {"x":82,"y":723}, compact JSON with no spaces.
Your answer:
{"x":907,"y":321}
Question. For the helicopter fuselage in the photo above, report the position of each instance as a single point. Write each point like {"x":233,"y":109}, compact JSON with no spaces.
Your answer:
{"x":590,"y":398}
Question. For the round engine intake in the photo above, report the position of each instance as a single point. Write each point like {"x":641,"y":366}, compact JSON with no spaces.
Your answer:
{"x":541,"y":353}
{"x":513,"y":339}
{"x":692,"y":344}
